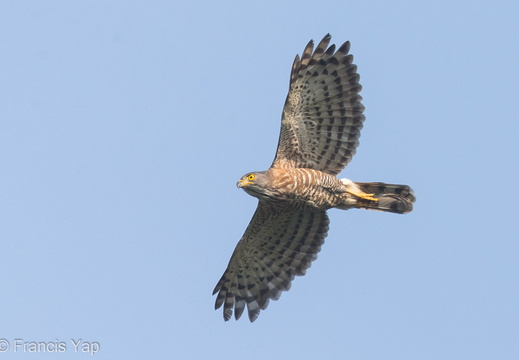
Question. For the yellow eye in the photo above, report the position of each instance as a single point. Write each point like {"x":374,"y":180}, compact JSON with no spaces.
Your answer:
{"x":251,"y":177}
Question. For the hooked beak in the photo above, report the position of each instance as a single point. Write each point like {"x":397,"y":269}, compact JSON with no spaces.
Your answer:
{"x":241,"y":183}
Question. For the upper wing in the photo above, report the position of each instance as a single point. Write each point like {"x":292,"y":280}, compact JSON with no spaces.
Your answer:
{"x":277,"y":245}
{"x":322,"y":116}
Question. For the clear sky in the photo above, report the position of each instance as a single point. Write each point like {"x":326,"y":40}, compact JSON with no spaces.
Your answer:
{"x":124,"y":127}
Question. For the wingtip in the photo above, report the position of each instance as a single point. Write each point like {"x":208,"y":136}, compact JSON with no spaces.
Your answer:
{"x":345,"y":48}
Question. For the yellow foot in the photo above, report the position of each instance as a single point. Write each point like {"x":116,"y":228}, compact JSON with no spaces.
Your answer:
{"x":362,"y":195}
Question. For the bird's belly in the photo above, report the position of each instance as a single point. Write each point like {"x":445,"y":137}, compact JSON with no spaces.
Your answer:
{"x":308,"y":187}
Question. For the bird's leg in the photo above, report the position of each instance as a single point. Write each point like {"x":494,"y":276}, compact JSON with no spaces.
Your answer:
{"x":354,"y":189}
{"x":362,"y":195}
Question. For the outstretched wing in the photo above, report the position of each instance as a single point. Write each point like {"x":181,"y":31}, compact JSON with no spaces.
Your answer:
{"x":322,"y":117}
{"x":277,"y":245}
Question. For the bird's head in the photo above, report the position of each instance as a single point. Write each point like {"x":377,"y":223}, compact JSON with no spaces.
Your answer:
{"x":255,"y":184}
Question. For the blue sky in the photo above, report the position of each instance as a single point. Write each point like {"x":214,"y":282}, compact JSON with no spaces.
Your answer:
{"x":124,"y":127}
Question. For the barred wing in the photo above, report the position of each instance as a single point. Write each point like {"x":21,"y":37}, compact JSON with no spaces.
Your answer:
{"x":277,"y":246}
{"x":322,"y":116}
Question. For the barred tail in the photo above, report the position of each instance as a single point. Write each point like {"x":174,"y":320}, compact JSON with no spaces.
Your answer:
{"x":391,"y":198}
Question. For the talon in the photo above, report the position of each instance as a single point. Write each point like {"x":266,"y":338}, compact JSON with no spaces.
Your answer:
{"x":363,"y":196}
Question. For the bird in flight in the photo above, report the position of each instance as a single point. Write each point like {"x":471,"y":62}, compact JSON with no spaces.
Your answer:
{"x":320,"y":128}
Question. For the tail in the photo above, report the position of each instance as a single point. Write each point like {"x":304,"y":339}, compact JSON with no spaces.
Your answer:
{"x":391,"y":198}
